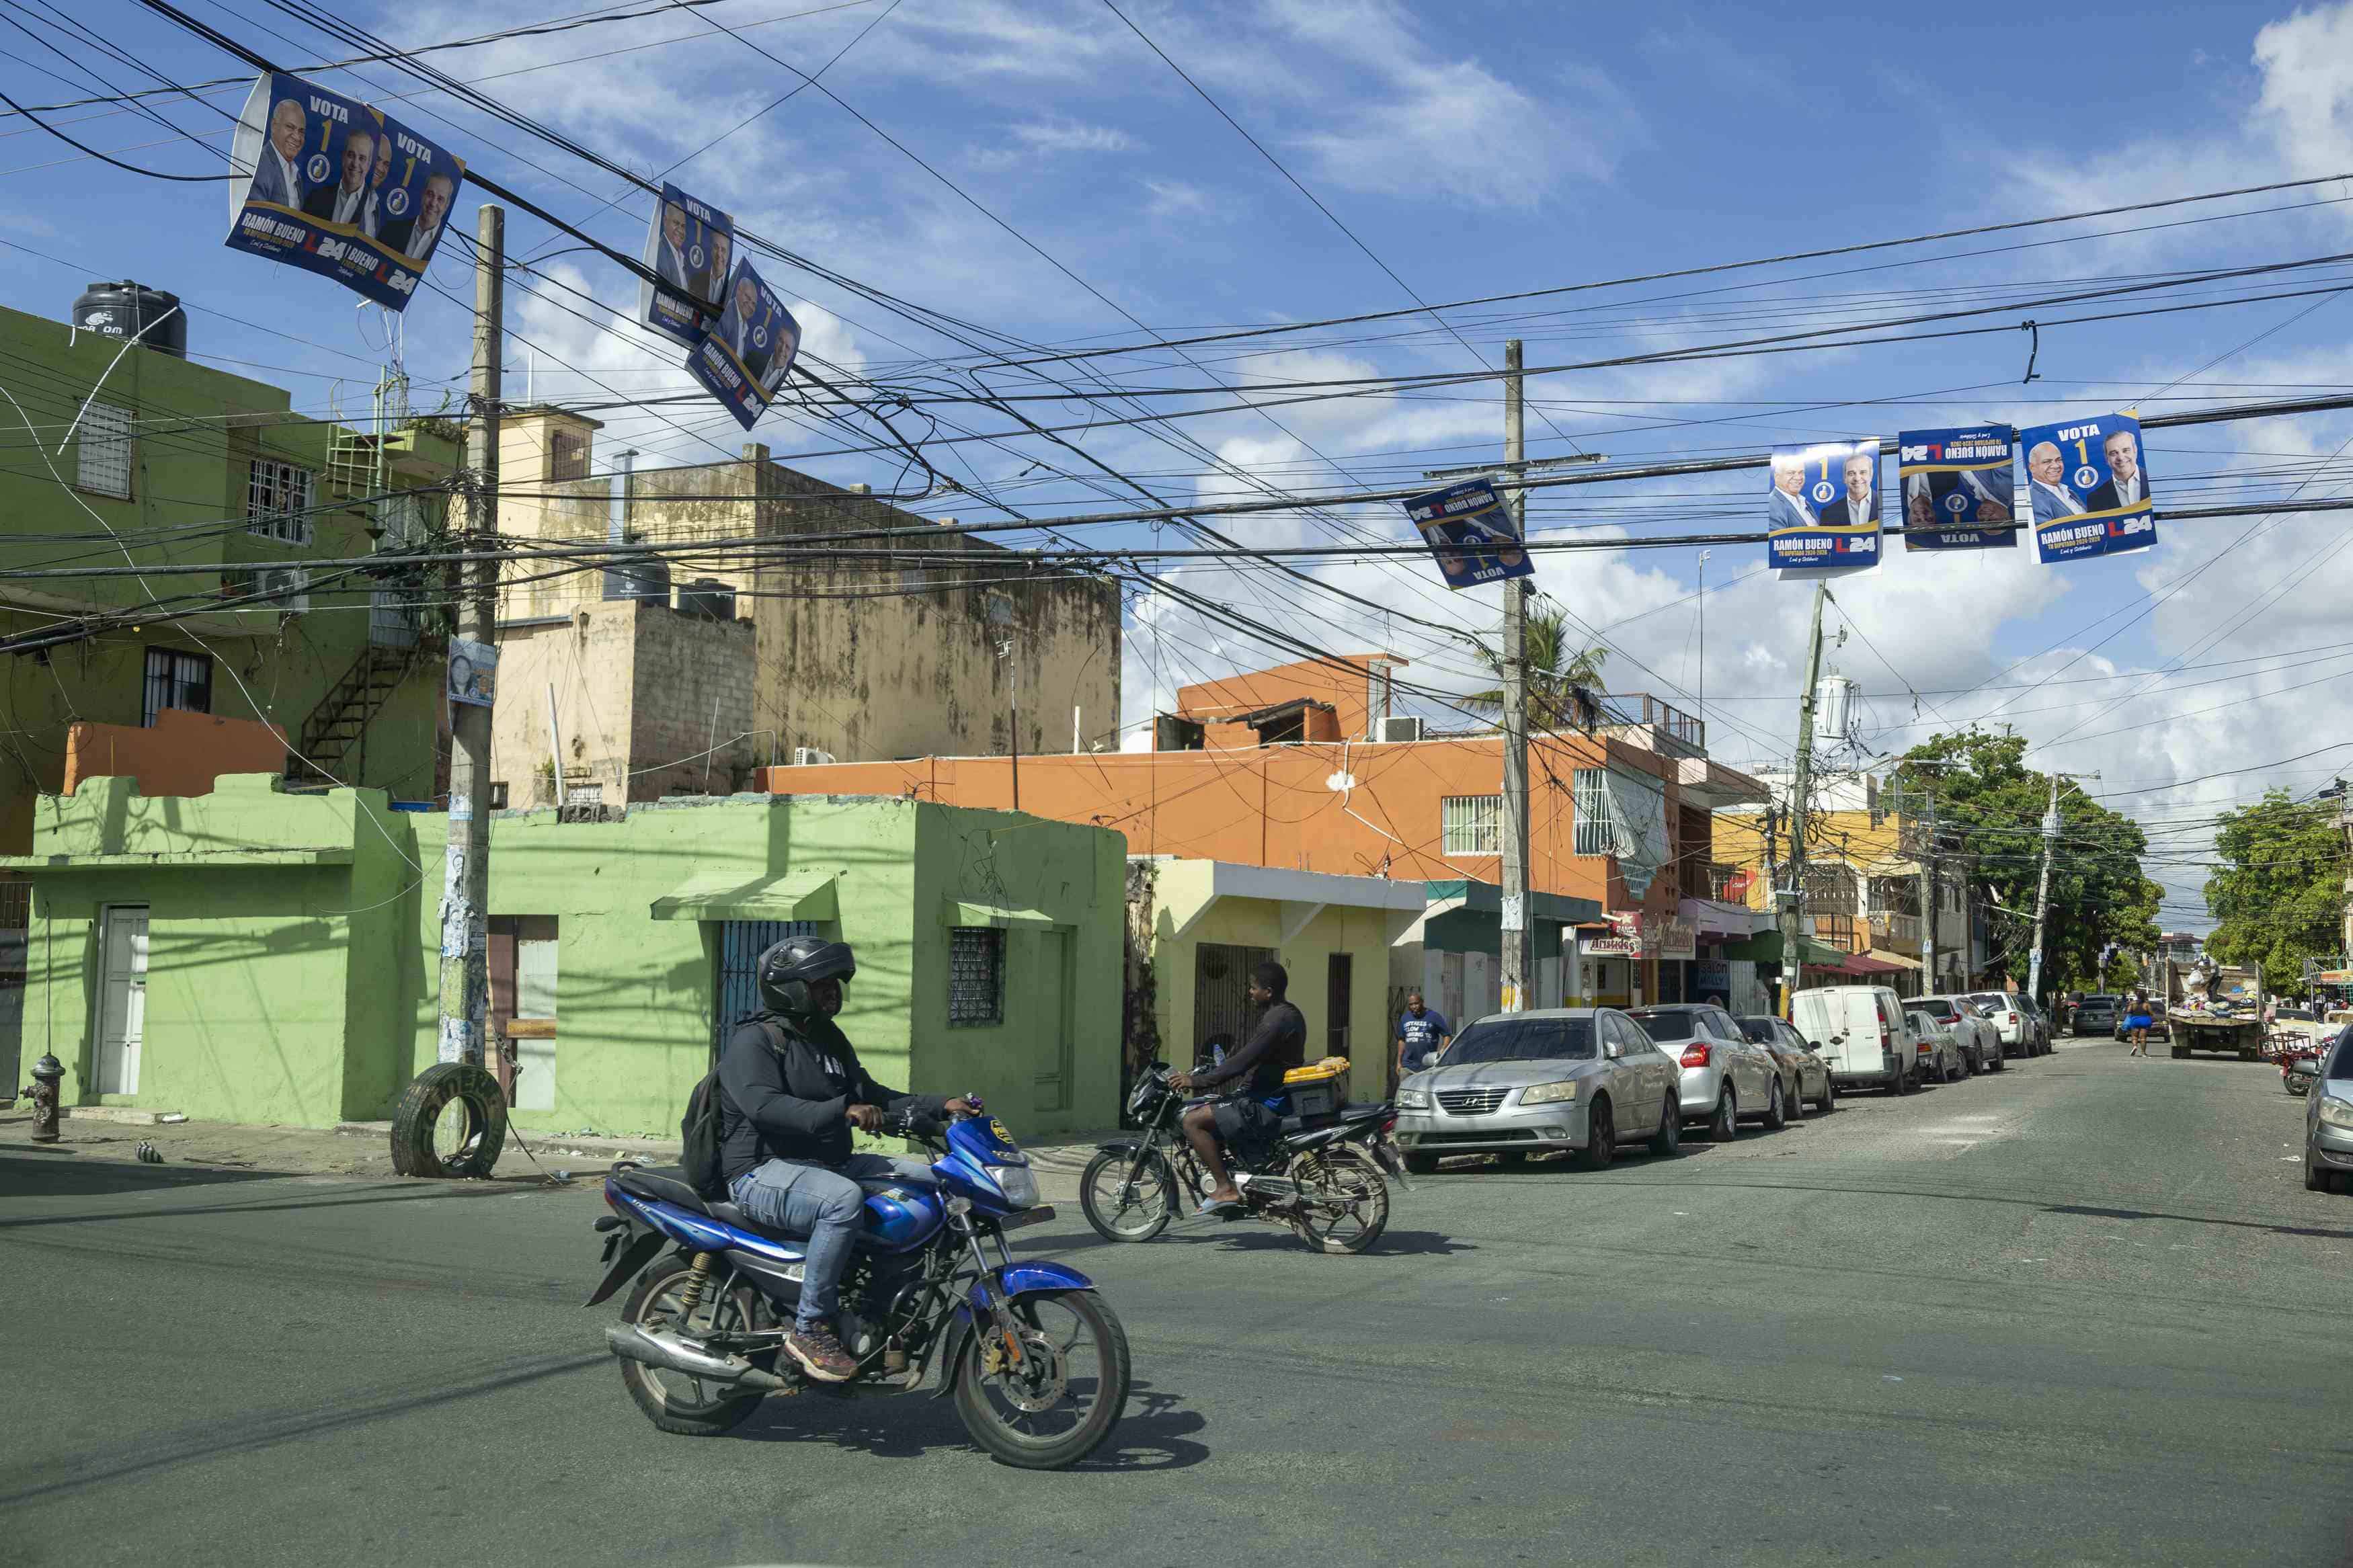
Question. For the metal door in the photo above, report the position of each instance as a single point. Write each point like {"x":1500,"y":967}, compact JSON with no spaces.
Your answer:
{"x":1339,"y":979}
{"x":737,"y":989}
{"x":1221,"y":992}
{"x":121,"y":997}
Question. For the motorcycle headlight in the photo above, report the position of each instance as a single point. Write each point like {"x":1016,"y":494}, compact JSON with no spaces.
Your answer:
{"x":2336,"y":1112}
{"x":1549,"y":1093}
{"x":1016,"y":1182}
{"x":1413,"y":1100}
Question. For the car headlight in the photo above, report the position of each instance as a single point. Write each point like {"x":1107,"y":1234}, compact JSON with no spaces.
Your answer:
{"x":1548,"y":1093}
{"x":1413,"y":1100}
{"x":1016,"y":1182}
{"x":2336,"y":1112}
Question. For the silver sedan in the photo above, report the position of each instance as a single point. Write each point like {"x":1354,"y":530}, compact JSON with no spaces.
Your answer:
{"x":1723,"y":1077}
{"x":1517,"y":1084}
{"x":1805,"y":1076}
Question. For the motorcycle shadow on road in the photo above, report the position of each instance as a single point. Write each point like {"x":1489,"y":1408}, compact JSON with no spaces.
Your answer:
{"x":1154,"y":1433}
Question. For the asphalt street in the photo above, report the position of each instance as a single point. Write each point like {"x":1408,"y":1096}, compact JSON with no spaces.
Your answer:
{"x":2080,"y":1312}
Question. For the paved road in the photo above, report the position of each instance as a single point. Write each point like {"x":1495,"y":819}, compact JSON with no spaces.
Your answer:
{"x":2082,"y":1312}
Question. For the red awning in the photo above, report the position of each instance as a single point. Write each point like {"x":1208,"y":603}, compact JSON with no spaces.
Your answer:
{"x":1857,"y":964}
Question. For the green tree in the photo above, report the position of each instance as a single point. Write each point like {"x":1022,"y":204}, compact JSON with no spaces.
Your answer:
{"x":1555,"y":671}
{"x":1988,"y":798}
{"x":2277,"y":895}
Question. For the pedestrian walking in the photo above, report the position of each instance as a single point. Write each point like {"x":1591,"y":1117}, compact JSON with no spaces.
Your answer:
{"x":2137,"y":1025}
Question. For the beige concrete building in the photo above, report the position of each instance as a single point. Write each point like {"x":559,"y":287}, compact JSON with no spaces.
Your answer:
{"x":909,"y":647}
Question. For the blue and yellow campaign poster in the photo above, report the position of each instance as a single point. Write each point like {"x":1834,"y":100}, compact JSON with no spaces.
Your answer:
{"x":743,"y":359}
{"x":1470,"y":530}
{"x":690,"y":247}
{"x":2088,"y":488}
{"x":1959,"y":488}
{"x":1822,"y":507}
{"x":326,"y":184}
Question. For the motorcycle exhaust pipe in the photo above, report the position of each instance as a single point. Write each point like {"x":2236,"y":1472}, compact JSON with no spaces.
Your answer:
{"x":631,"y":1343}
{"x":1268,"y":1186}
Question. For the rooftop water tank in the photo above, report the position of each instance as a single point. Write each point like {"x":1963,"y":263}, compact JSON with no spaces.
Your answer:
{"x":128,"y":310}
{"x":637,"y":575}
{"x":708,"y":598}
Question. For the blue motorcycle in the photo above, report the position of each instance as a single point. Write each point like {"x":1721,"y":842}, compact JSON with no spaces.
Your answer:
{"x":1036,"y":1360}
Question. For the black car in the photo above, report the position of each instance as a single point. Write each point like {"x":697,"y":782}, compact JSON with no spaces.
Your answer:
{"x":2096,"y":1015}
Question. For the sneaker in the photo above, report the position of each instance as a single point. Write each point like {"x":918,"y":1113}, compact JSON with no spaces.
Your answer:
{"x":821,"y":1354}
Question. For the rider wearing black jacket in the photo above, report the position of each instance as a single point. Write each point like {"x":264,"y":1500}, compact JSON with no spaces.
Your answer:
{"x":1276,"y":1045}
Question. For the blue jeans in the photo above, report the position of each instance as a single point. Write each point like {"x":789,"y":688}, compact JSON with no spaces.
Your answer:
{"x":825,"y":1204}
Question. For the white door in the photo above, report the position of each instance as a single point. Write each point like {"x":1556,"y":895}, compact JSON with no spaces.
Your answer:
{"x":121,"y":997}
{"x":535,"y":975}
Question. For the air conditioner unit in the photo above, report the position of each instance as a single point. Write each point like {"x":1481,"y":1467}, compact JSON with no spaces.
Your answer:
{"x":273,"y":590}
{"x":809,"y":756}
{"x":1397,"y":727}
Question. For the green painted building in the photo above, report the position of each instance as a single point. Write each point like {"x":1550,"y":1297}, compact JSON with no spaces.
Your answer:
{"x":252,"y":955}
{"x":139,"y":456}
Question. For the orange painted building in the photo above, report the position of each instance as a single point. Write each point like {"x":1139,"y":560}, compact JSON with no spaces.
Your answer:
{"x":179,"y":754}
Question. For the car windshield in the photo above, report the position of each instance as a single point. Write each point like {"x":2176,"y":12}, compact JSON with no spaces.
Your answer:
{"x":1669,"y":1025}
{"x":2341,"y":1066}
{"x":1939,"y":1008}
{"x":1523,"y":1040}
{"x":2099,"y":999}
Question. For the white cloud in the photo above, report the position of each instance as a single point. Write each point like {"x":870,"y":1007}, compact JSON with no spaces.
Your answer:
{"x":1175,"y":199}
{"x":2307,"y":104}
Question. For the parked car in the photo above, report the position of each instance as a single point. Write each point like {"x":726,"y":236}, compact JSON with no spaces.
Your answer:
{"x":1980,"y":1041}
{"x":2045,"y":1031}
{"x":1804,"y":1077}
{"x":2009,"y":1020}
{"x":1725,"y":1078}
{"x":2096,"y":1015}
{"x":2328,"y":1122}
{"x":1516,"y":1084}
{"x":1938,"y":1049}
{"x":1861,"y":1032}
{"x":2159,"y":1029}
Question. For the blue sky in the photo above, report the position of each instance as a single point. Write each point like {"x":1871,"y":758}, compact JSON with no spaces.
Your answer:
{"x":1475,"y":149}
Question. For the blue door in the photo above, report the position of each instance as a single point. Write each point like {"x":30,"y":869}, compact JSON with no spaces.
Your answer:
{"x":740,"y":943}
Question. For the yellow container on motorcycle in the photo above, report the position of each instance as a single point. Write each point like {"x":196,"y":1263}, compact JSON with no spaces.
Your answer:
{"x":1318,"y":1088}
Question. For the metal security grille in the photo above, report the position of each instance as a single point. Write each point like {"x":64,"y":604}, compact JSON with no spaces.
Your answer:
{"x":975,"y":976}
{"x":740,"y":943}
{"x":1471,"y":824}
{"x":1595,"y":831}
{"x":103,"y":462}
{"x":278,"y":502}
{"x":175,"y":679}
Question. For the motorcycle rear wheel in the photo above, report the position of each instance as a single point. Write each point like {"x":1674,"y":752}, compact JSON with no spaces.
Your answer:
{"x":1087,"y":1384}
{"x":1345,"y":1178}
{"x":673,"y":1401}
{"x":1149,"y":1207}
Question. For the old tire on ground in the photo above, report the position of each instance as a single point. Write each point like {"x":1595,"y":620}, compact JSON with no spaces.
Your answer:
{"x":422,"y":1147}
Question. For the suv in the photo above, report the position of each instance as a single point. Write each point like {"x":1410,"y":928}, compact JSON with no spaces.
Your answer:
{"x":2016,"y":1027}
{"x":1980,"y":1041}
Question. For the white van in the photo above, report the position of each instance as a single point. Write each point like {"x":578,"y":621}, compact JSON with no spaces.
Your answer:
{"x":1861,"y":1032}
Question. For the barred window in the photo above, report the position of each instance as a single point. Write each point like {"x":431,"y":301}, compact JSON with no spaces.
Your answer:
{"x":1596,"y":830}
{"x":104,"y":459}
{"x":278,"y":502}
{"x":1471,"y":824}
{"x":175,"y":679}
{"x":975,"y":976}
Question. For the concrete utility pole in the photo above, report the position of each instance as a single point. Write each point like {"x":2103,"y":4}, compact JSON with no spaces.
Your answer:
{"x":1802,"y":781}
{"x":1515,"y":960}
{"x":2042,"y":893}
{"x":1928,"y":985}
{"x":466,"y":866}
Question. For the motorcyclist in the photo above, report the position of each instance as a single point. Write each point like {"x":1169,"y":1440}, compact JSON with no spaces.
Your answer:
{"x":791,"y":1091}
{"x":1249,"y":1078}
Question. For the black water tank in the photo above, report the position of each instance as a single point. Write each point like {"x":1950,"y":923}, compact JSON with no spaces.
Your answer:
{"x":637,"y":575}
{"x":709,"y":597}
{"x":124,"y":309}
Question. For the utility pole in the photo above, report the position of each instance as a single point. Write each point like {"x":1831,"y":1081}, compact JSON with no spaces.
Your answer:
{"x":1515,"y":960}
{"x":1793,"y":909}
{"x":2042,"y":892}
{"x":1699,"y":692}
{"x":1928,"y":897}
{"x":466,"y":869}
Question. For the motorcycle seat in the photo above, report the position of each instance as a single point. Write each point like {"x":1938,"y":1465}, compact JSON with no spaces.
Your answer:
{"x":664,"y":1185}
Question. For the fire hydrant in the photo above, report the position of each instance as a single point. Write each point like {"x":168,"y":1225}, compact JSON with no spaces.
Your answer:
{"x":48,"y":1073}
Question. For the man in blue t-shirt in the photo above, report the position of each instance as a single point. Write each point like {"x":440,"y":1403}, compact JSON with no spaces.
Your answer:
{"x":1419,"y":1032}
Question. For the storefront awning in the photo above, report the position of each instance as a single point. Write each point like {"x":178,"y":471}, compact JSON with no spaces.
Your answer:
{"x":963,"y":912}
{"x":1880,"y":955}
{"x":731,"y":896}
{"x":1858,"y":965}
{"x":1765,"y":948}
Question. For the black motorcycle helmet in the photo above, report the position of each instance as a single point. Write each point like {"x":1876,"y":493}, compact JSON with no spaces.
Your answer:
{"x":789,"y":970}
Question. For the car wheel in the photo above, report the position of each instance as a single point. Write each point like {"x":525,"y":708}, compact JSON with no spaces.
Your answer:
{"x":1421,"y":1165}
{"x":2313,"y":1182}
{"x":1668,"y":1140}
{"x":1776,"y":1110}
{"x":1601,"y":1138}
{"x":1794,"y":1096}
{"x":1723,"y":1125}
{"x":1829,"y":1094}
{"x":1902,"y":1084}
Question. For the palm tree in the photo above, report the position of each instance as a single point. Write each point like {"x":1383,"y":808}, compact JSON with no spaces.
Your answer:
{"x":1561,"y":680}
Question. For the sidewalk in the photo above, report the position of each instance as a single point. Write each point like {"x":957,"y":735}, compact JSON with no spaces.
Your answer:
{"x":363,"y":1149}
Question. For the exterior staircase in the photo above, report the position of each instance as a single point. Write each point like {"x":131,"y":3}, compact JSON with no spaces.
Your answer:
{"x":331,"y":735}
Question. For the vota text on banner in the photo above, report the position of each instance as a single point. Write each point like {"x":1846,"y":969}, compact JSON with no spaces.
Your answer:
{"x":2089,"y":487}
{"x":746,"y":355}
{"x":1961,"y":485}
{"x":690,"y":247}
{"x":328,"y":184}
{"x":1822,"y":507}
{"x":1468,"y":530}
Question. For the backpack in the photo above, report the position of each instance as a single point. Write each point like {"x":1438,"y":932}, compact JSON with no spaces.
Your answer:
{"x":701,"y":1134}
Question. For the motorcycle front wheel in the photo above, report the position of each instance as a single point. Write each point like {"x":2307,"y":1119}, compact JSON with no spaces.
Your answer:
{"x":1345,"y":1202}
{"x":1126,"y":1202}
{"x":1056,"y":1404}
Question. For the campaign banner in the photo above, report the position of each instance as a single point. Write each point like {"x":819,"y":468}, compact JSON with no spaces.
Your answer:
{"x":473,"y":672}
{"x":328,"y":184}
{"x":1959,"y":488}
{"x":743,"y":359}
{"x":2088,"y":488}
{"x":1822,"y":507}
{"x":690,"y":247}
{"x":1469,"y":530}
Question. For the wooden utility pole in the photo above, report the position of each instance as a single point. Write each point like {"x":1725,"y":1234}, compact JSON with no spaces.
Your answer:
{"x":1517,"y":969}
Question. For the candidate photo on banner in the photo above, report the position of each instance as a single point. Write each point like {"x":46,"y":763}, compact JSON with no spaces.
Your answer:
{"x":745,"y":357}
{"x":2087,"y":487}
{"x":1959,"y":488}
{"x":330,"y":185}
{"x":1471,"y":533}
{"x":1821,"y":508}
{"x":690,"y":247}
